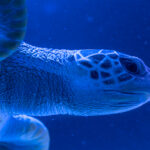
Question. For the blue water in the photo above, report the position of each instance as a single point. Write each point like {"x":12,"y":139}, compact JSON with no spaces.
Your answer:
{"x":110,"y":24}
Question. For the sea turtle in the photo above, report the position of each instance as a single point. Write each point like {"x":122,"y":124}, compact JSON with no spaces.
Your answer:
{"x":39,"y":81}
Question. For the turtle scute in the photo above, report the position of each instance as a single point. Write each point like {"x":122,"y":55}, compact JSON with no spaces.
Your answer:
{"x":13,"y":21}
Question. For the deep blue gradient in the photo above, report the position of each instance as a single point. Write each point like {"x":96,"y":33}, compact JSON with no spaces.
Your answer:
{"x":110,"y":24}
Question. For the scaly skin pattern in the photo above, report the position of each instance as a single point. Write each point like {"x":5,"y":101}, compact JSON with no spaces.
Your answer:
{"x":35,"y":82}
{"x":38,"y":81}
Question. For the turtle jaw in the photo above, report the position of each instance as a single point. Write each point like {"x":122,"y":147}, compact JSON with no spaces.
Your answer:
{"x":108,"y":103}
{"x":147,"y":84}
{"x":105,"y":102}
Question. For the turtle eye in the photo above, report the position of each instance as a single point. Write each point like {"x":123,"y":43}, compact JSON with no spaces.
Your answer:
{"x":133,"y":65}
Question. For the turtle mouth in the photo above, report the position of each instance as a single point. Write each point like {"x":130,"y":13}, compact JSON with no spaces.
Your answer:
{"x":121,"y":92}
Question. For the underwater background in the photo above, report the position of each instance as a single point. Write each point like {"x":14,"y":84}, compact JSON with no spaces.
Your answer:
{"x":86,"y":24}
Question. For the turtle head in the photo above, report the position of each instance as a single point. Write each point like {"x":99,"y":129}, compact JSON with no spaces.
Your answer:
{"x":108,"y":82}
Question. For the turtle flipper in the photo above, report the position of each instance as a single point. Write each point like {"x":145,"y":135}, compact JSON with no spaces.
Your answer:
{"x":13,"y":20}
{"x":23,"y":133}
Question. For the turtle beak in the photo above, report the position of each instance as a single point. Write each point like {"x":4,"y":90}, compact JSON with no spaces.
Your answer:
{"x":148,"y":69}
